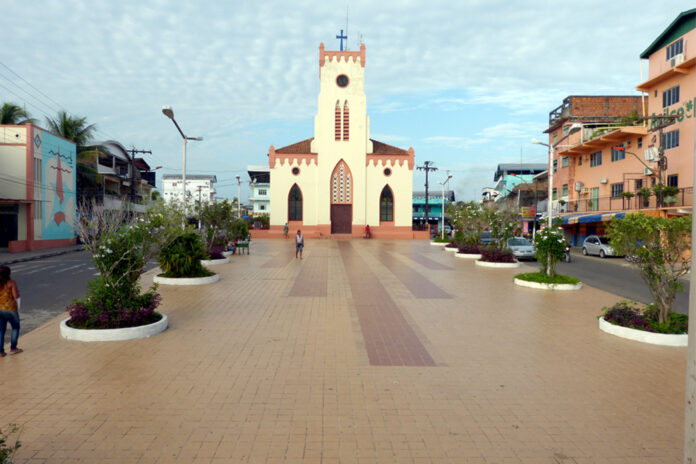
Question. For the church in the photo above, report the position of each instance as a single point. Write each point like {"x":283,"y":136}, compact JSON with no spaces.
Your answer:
{"x":340,"y":180}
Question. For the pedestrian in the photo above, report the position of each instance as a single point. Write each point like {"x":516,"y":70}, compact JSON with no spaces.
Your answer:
{"x":368,"y":233}
{"x":285,"y":231}
{"x":300,"y":244}
{"x":9,"y":311}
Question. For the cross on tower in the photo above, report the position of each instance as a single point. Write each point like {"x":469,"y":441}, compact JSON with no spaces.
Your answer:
{"x":341,"y":37}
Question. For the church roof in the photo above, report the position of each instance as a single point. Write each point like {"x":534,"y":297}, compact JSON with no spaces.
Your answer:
{"x":299,"y":148}
{"x":379,"y":148}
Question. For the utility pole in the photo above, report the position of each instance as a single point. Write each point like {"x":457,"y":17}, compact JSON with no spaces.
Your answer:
{"x":427,"y":167}
{"x":133,"y":151}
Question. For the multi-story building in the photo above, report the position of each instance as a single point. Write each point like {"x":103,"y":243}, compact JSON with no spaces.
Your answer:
{"x":199,"y":188}
{"x":260,"y":186}
{"x":37,"y":188}
{"x":608,"y":166}
{"x":435,"y":203}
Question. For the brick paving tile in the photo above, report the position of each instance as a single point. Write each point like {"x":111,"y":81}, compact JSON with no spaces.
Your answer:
{"x":350,"y":356}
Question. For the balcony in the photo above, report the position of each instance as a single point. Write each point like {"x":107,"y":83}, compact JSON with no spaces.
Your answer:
{"x":614,"y":204}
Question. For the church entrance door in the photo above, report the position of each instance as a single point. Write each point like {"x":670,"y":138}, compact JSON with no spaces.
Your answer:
{"x":341,"y":219}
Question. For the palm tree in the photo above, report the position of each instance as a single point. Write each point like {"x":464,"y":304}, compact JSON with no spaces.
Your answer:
{"x":14,"y":114}
{"x":72,"y":128}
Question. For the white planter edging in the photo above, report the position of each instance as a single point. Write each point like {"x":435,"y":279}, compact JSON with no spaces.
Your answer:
{"x":440,"y":244}
{"x":113,"y":335}
{"x":212,"y":262}
{"x":497,"y":265}
{"x":542,"y":286}
{"x":226,"y":254}
{"x":643,"y":336}
{"x":452,"y":249}
{"x":467,"y":255}
{"x":186,"y":280}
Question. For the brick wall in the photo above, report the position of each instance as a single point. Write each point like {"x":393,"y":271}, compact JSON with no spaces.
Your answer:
{"x":604,"y":106}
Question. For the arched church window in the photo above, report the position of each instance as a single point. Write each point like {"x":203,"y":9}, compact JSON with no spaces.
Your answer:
{"x":341,"y":184}
{"x":346,"y":119}
{"x":337,"y":124}
{"x":295,"y":204}
{"x":386,"y":205}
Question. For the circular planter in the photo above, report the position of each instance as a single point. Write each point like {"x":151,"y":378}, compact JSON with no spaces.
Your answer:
{"x":186,"y":280}
{"x":497,"y":265}
{"x":112,"y":335}
{"x":643,"y":336}
{"x":467,"y":255}
{"x":440,"y":244}
{"x":452,"y":249}
{"x":543,"y":286}
{"x":227,"y":254}
{"x":213,"y":262}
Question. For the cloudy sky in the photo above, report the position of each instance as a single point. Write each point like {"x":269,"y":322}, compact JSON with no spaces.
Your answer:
{"x":467,"y":84}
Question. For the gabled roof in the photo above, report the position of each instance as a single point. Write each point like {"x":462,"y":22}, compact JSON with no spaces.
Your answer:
{"x":685,"y":22}
{"x":304,"y":147}
{"x":299,"y":148}
{"x":379,"y":148}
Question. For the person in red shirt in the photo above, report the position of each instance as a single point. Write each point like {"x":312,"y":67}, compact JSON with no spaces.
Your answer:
{"x":368,"y":234}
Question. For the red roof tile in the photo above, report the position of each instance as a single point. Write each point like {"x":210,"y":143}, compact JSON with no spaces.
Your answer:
{"x":379,"y":148}
{"x":299,"y":148}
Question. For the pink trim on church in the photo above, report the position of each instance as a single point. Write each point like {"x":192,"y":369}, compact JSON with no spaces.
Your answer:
{"x":391,"y":159}
{"x":290,"y":158}
{"x":323,"y":54}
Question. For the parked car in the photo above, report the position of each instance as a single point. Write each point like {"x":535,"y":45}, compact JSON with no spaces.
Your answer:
{"x":521,"y":248}
{"x":597,"y":245}
{"x":486,"y":238}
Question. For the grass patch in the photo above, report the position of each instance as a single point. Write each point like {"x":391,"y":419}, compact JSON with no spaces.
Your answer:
{"x":441,"y":240}
{"x":200,"y":273}
{"x":542,"y":278}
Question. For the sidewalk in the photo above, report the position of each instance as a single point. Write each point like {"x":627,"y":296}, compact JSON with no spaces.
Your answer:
{"x":10,"y":258}
{"x":365,"y":351}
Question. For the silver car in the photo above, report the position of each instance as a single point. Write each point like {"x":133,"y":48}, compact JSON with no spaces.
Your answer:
{"x":597,"y":245}
{"x":521,"y":248}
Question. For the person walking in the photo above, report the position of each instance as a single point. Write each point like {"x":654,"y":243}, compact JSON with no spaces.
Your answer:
{"x":300,"y":244}
{"x":285,"y":231}
{"x":9,"y":311}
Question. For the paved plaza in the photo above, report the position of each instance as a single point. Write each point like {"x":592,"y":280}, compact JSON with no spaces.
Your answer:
{"x":362,"y":352}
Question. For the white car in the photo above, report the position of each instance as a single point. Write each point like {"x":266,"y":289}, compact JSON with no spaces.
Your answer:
{"x":521,"y":248}
{"x":596,"y":245}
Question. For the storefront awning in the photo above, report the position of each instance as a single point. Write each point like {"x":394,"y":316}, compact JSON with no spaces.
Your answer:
{"x":584,"y":218}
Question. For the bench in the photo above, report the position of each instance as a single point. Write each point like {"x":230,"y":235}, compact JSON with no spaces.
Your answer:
{"x":241,"y":246}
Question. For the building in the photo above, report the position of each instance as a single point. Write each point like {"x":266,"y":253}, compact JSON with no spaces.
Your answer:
{"x":435,"y":202}
{"x":608,"y":168}
{"x":341,"y":180}
{"x":199,"y":188}
{"x":37,"y":188}
{"x":260,"y":186}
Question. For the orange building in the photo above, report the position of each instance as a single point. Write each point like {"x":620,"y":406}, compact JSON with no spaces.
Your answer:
{"x":611,"y":154}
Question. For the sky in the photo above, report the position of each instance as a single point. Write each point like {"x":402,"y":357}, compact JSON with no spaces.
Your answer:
{"x":467,"y":84}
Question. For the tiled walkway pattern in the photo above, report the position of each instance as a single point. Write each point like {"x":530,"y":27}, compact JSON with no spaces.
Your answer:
{"x":261,"y":368}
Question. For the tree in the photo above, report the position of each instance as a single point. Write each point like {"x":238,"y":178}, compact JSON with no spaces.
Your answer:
{"x":14,"y":114}
{"x":72,"y":128}
{"x":501,"y":223}
{"x":657,"y":247}
{"x":467,"y":218}
{"x":549,"y":244}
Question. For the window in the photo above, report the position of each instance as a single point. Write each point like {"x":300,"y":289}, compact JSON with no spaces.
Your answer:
{"x":345,"y":121}
{"x":580,"y":161}
{"x":337,"y":122}
{"x":386,"y":205}
{"x":617,"y":155}
{"x":639,"y":184}
{"x":262,"y":192}
{"x":555,"y":165}
{"x":262,"y":207}
{"x":673,"y":180}
{"x":596,"y":159}
{"x":564,"y":162}
{"x":670,"y":139}
{"x":616,"y":190}
{"x":295,"y":204}
{"x":675,"y":48}
{"x":554,"y":194}
{"x":670,"y":96}
{"x":564,"y":192}
{"x":640,"y":142}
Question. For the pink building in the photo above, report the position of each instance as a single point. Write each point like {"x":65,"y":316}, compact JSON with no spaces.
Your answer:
{"x":610,"y":153}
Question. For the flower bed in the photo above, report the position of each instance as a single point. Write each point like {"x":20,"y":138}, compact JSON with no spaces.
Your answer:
{"x":482,"y":263}
{"x":495,"y":255}
{"x":109,"y":335}
{"x":212,"y":262}
{"x":541,"y":281}
{"x":162,"y":279}
{"x":467,"y":255}
{"x":631,"y":315}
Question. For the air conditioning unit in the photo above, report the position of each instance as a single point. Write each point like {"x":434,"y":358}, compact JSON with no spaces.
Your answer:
{"x":603,"y":180}
{"x":648,"y":172}
{"x":651,"y":154}
{"x":676,"y":60}
{"x":578,"y":186}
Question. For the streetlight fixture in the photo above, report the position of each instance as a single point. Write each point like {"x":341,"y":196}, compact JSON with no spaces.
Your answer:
{"x":239,"y":197}
{"x":442,"y":232}
{"x":169,"y":112}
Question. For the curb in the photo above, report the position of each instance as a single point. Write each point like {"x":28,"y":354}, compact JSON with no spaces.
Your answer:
{"x":40,"y":256}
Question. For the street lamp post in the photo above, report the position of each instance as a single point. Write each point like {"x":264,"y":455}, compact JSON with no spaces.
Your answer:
{"x":442,"y":232}
{"x":549,"y":209}
{"x":169,"y":112}
{"x":239,"y":197}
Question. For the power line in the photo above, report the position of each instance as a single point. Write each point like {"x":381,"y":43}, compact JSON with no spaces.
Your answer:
{"x":30,"y":85}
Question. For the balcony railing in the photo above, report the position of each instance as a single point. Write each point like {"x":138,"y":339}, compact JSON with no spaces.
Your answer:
{"x":602,"y":204}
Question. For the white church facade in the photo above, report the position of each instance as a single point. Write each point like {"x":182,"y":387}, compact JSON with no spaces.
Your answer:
{"x":341,"y":180}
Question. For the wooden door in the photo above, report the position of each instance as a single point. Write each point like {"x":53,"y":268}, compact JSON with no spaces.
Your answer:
{"x":341,"y":219}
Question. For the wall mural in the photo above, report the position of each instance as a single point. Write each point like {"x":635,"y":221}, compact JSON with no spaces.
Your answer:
{"x":58,"y":197}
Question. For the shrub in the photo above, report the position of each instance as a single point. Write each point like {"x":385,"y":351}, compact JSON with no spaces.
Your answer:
{"x":452,"y":244}
{"x":469,"y":248}
{"x":182,"y":257}
{"x":630,"y":314}
{"x":238,"y":230}
{"x":549,"y":244}
{"x":459,"y":236}
{"x":542,"y":278}
{"x":495,"y":255}
{"x":7,"y":450}
{"x":215,"y":252}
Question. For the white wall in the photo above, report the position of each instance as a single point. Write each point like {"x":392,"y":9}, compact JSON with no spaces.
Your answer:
{"x":13,"y":163}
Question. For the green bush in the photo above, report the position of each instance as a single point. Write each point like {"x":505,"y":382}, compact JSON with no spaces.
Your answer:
{"x":542,"y":278}
{"x":7,"y":450}
{"x":441,"y":240}
{"x":630,"y":314}
{"x":239,"y":230}
{"x":182,"y":257}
